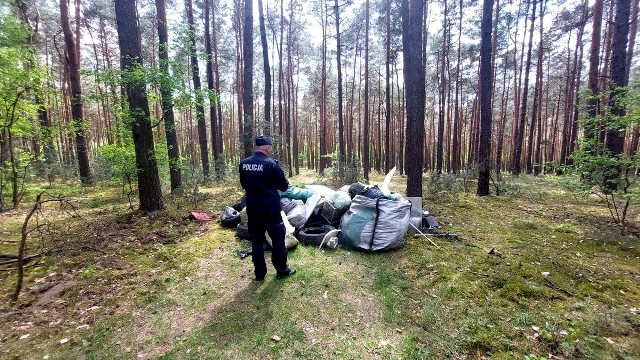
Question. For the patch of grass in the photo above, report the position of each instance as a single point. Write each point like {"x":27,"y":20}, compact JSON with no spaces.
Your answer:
{"x":535,"y":274}
{"x":525,"y":225}
{"x":566,"y":228}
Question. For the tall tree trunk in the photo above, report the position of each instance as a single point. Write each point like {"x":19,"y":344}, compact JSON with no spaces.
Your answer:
{"x":591,"y":127}
{"x":414,"y":77}
{"x":455,"y":147}
{"x":536,"y":158}
{"x":219,"y":148}
{"x":442,"y":91}
{"x":50,"y":157}
{"x":166,"y":91}
{"x":289,"y":82}
{"x":633,"y":29}
{"x":323,"y":140}
{"x":294,"y":100}
{"x":197,"y":87}
{"x":503,"y":121}
{"x":267,"y":72}
{"x":535,"y":110}
{"x":149,"y":190}
{"x":247,"y":84}
{"x":77,"y":110}
{"x":281,"y":127}
{"x":519,"y":139}
{"x":568,"y":107}
{"x":604,"y":80}
{"x":239,"y":82}
{"x":365,"y":143}
{"x":486,"y":81}
{"x":573,"y":138}
{"x":341,"y":149}
{"x":387,"y":137}
{"x":615,"y":137}
{"x":378,"y":148}
{"x":214,"y":99}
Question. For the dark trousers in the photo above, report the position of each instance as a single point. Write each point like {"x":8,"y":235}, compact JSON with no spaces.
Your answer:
{"x":272,"y":224}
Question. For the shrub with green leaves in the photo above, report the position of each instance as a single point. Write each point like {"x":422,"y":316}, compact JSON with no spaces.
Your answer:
{"x":115,"y":162}
{"x":610,"y":176}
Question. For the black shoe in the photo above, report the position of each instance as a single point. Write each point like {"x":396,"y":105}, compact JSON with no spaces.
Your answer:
{"x":284,"y":275}
{"x":260,"y":278}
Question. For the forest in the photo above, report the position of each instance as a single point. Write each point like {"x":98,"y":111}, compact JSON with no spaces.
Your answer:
{"x":328,"y":80}
{"x":125,"y":114}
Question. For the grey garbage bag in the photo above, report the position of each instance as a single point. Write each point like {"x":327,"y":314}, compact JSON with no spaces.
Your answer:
{"x":296,"y":214}
{"x":375,"y":224}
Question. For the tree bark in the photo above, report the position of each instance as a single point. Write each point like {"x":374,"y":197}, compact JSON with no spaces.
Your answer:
{"x":414,"y":77}
{"x":166,"y":91}
{"x":214,"y":99}
{"x":615,"y":137}
{"x":486,"y":81}
{"x":535,"y":110}
{"x":365,"y":144}
{"x":77,"y":111}
{"x":219,"y":147}
{"x":442,"y":91}
{"x":197,"y":87}
{"x":323,"y":136}
{"x":149,"y":190}
{"x":267,"y":72}
{"x":519,"y":138}
{"x":247,"y":83}
{"x":633,"y":29}
{"x":455,"y":146}
{"x":387,"y":137}
{"x":591,"y":126}
{"x":341,"y":149}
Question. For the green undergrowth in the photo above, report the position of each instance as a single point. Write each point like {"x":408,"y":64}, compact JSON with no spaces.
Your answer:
{"x":538,"y":272}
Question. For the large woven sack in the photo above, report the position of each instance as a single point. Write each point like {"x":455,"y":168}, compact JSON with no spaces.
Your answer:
{"x":375,"y":224}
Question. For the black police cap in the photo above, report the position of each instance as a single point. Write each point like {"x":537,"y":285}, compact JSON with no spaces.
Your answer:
{"x":263,"y":140}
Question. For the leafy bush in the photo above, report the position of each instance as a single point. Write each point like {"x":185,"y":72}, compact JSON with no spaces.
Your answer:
{"x":610,"y":176}
{"x":115,"y":162}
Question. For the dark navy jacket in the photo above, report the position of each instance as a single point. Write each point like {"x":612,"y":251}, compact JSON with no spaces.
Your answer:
{"x":261,"y":177}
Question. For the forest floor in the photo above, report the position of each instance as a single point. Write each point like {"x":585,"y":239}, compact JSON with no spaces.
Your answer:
{"x":538,"y":272}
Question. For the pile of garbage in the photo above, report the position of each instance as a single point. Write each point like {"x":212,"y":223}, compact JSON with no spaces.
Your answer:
{"x":358,"y":216}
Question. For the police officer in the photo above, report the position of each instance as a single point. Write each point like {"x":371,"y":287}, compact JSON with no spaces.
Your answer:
{"x":261,"y":177}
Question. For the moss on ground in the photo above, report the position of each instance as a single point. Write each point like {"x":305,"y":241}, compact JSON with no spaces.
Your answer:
{"x":537,"y":272}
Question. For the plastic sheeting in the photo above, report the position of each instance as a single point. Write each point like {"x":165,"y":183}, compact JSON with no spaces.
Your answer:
{"x":290,"y":241}
{"x":296,"y":214}
{"x":296,"y":193}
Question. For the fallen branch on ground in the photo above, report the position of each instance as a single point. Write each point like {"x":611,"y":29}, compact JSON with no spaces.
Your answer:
{"x":16,"y":259}
{"x":550,"y":284}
